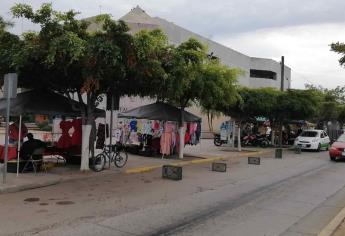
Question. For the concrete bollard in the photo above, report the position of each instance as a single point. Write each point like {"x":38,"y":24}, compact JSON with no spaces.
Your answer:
{"x":279,"y":153}
{"x":172,"y":172}
{"x":219,"y":166}
{"x":298,"y":150}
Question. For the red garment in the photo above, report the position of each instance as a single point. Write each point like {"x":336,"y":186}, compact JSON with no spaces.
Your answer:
{"x":77,"y":134}
{"x":65,"y":141}
{"x":14,"y":131}
{"x":186,"y":137}
{"x":12,"y":153}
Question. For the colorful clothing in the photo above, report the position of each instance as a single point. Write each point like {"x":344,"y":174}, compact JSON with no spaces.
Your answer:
{"x":77,"y":134}
{"x":65,"y":141}
{"x":133,"y":125}
{"x":14,"y":132}
{"x":166,"y":138}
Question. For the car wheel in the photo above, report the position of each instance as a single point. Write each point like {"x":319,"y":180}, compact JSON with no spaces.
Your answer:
{"x":327,"y":147}
{"x":318,"y":147}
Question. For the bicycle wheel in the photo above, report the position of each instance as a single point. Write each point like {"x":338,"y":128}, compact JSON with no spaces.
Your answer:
{"x":99,"y":162}
{"x":121,"y":159}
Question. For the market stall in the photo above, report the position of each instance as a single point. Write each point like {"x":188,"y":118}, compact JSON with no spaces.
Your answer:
{"x":153,"y":129}
{"x":44,"y":102}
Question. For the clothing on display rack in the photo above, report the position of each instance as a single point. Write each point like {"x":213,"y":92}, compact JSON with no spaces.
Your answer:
{"x":152,"y":136}
{"x":77,"y":134}
{"x":102,"y":133}
{"x":65,"y":140}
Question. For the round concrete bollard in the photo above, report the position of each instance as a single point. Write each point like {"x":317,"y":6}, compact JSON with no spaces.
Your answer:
{"x":279,"y":153}
{"x":298,"y":150}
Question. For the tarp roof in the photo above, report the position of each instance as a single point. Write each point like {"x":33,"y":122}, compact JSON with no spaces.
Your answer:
{"x":43,"y":102}
{"x":159,"y":111}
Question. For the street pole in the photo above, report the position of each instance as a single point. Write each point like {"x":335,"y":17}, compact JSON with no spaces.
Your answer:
{"x":10,"y":91}
{"x":8,"y":101}
{"x":282,"y":89}
{"x":111,"y":123}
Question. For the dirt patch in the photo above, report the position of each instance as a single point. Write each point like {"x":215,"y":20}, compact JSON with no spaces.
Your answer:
{"x":32,"y":199}
{"x":65,"y":203}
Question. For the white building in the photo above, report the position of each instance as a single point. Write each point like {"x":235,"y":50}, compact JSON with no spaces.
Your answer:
{"x":259,"y":72}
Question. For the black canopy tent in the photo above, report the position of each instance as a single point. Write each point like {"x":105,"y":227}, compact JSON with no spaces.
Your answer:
{"x":43,"y":102}
{"x":159,"y":111}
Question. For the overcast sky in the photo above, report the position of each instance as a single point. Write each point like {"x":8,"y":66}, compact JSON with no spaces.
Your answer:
{"x":301,"y":30}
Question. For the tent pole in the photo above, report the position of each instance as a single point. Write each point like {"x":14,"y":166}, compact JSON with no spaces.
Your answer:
{"x":19,"y":138}
{"x":8,"y":105}
{"x":111,"y":124}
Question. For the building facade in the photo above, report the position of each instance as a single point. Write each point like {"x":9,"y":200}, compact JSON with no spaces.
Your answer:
{"x":258,"y":72}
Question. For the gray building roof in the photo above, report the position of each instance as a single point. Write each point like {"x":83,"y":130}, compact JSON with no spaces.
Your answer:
{"x":137,"y":19}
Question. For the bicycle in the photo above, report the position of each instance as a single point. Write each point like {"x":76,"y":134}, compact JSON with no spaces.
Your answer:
{"x":114,"y":153}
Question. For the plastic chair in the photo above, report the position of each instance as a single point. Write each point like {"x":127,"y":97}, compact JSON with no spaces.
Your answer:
{"x":35,"y":159}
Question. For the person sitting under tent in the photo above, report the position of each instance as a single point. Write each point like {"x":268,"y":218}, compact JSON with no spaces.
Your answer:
{"x":29,"y":146}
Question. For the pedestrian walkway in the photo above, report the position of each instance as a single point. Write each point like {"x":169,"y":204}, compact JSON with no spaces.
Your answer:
{"x":206,"y":152}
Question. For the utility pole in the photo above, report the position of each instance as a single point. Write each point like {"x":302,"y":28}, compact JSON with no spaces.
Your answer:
{"x":281,"y":89}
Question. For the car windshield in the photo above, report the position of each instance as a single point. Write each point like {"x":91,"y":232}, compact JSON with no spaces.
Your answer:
{"x":308,"y":134}
{"x":341,"y":138}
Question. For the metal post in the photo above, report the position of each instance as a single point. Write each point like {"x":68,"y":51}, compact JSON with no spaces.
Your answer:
{"x":8,"y":101}
{"x":111,"y":123}
{"x":19,"y":138}
{"x":282,"y":74}
{"x":282,"y":89}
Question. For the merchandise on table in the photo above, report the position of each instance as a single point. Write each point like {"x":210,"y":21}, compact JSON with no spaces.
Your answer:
{"x":155,"y":137}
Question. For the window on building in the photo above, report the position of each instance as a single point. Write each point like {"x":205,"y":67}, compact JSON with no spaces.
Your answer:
{"x":265,"y":74}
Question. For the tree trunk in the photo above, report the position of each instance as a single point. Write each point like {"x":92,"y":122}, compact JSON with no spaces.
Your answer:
{"x":92,"y":139}
{"x":239,"y":137}
{"x":181,"y":133}
{"x":233,"y":134}
{"x":85,"y":149}
{"x":209,"y":121}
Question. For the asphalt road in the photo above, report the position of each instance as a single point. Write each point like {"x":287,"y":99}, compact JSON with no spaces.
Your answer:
{"x":297,"y":195}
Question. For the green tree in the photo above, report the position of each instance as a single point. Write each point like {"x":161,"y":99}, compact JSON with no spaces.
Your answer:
{"x":192,"y":77}
{"x":220,"y":88}
{"x":66,"y":57}
{"x":9,"y":46}
{"x":340,"y":49}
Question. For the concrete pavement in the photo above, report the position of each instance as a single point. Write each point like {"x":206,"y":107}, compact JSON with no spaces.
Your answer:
{"x":204,"y":153}
{"x":247,"y":200}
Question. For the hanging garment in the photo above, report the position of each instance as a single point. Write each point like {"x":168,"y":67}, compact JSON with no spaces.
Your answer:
{"x":140,"y":127}
{"x":117,"y":135}
{"x":166,"y":138}
{"x":155,"y":125}
{"x":14,"y":132}
{"x":198,"y":131}
{"x":77,"y":134}
{"x":100,"y":136}
{"x":133,"y":138}
{"x":65,"y":141}
{"x":148,"y":128}
{"x":133,"y":125}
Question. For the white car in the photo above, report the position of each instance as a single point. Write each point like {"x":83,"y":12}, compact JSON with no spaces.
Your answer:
{"x":313,"y":139}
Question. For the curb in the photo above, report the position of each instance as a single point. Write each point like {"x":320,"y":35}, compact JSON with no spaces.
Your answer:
{"x":15,"y":188}
{"x":184,"y":163}
{"x":333,"y":224}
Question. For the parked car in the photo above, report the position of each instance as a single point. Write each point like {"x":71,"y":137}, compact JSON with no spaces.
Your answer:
{"x":312,"y":140}
{"x":336,"y":151}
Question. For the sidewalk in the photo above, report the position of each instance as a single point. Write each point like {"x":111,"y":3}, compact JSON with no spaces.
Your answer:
{"x":204,"y":153}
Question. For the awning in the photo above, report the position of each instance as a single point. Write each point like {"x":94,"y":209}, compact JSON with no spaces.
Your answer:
{"x":159,"y":111}
{"x":43,"y":102}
